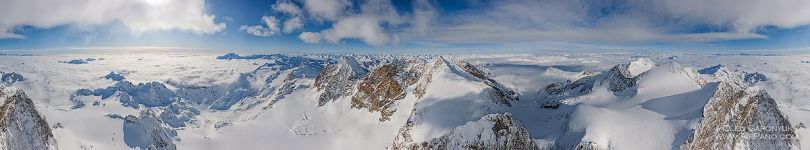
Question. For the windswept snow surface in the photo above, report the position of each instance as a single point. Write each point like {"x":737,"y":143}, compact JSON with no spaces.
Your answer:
{"x":221,"y":100}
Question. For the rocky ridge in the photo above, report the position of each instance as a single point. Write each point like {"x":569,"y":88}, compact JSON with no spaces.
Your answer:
{"x":22,"y":125}
{"x":738,"y":116}
{"x":494,"y":131}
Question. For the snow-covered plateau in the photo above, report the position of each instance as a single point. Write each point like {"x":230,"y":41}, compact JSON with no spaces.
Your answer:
{"x":224,"y":101}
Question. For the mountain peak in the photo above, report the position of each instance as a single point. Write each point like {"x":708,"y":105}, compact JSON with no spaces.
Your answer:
{"x":741,"y":117}
{"x":22,"y":125}
{"x":336,"y":80}
{"x":638,"y":66}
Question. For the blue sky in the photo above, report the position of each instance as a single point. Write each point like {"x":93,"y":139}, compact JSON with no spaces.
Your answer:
{"x":383,"y":25}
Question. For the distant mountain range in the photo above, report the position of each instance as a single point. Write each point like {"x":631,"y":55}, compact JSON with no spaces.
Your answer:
{"x":437,"y":102}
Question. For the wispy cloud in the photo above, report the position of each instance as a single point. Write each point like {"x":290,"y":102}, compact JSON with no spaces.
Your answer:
{"x":269,"y":27}
{"x":377,"y":22}
{"x":617,"y":21}
{"x":138,"y":16}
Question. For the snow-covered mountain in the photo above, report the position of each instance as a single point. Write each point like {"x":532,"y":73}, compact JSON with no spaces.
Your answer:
{"x":741,"y":117}
{"x":22,"y":125}
{"x":493,"y":131}
{"x":351,"y":101}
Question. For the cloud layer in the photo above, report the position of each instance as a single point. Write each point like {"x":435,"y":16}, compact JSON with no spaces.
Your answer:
{"x":378,"y":22}
{"x":620,"y":21}
{"x":432,"y":22}
{"x":138,"y":16}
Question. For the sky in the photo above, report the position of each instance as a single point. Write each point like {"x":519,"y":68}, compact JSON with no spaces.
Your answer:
{"x":383,"y":25}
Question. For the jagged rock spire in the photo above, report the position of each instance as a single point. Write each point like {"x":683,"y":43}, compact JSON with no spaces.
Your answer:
{"x":22,"y":125}
{"x":741,"y":117}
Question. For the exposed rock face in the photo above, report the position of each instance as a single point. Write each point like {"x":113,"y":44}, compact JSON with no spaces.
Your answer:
{"x":494,"y":131}
{"x":619,"y":78}
{"x":741,"y":117}
{"x":426,"y":76}
{"x":147,"y":132}
{"x":338,"y":80}
{"x":380,"y":88}
{"x":499,"y":93}
{"x":624,"y":76}
{"x":22,"y":126}
{"x":570,"y":88}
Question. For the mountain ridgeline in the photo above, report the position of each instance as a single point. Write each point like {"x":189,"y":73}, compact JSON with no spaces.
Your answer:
{"x":379,"y":84}
{"x":22,"y":125}
{"x":442,"y":102}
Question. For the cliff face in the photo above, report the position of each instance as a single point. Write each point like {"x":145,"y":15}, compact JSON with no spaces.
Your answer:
{"x":386,"y":84}
{"x":337,"y":80}
{"x":498,"y":93}
{"x":741,"y":117}
{"x":22,"y":126}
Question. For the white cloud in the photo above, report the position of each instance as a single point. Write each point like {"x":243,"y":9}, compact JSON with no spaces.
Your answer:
{"x":326,"y":9}
{"x":742,"y":15}
{"x":269,"y":28}
{"x":272,"y":25}
{"x":364,"y":28}
{"x":257,"y":30}
{"x":367,"y":25}
{"x":310,"y":37}
{"x":423,"y":14}
{"x":293,"y":24}
{"x":138,"y":16}
{"x":288,"y":7}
